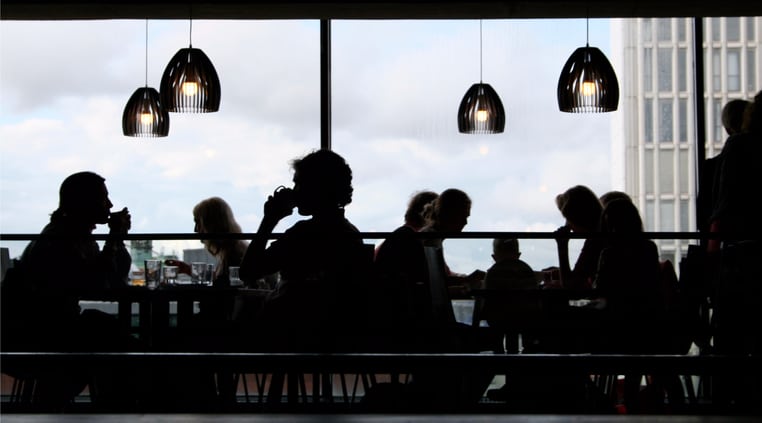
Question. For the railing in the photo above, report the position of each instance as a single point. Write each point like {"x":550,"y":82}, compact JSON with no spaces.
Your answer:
{"x":688,"y":366}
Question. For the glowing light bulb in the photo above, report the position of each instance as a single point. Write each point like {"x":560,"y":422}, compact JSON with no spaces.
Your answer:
{"x":190,"y":88}
{"x":146,"y":118}
{"x":588,"y":88}
{"x":482,"y":115}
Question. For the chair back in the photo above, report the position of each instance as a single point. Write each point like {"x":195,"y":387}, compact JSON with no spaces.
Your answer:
{"x":440,"y":298}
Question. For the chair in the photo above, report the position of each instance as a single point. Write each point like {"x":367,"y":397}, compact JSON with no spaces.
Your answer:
{"x":441,"y":305}
{"x":352,"y":293}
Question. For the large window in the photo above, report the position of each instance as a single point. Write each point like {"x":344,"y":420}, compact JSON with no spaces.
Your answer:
{"x":396,"y":86}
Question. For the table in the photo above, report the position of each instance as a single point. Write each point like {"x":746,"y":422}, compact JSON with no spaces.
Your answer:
{"x":557,"y":316}
{"x":154,"y":315}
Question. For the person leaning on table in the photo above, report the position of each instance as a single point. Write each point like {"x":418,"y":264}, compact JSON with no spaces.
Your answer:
{"x":40,"y":301}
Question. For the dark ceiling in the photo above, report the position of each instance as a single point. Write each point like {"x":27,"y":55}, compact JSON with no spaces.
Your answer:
{"x":369,"y":9}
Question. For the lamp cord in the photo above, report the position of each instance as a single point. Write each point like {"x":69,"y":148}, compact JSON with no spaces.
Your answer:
{"x":146,"y":52}
{"x":587,"y":26}
{"x":190,"y":32}
{"x":481,"y":65}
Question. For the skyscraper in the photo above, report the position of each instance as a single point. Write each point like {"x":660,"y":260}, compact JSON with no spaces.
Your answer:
{"x":654,"y":135}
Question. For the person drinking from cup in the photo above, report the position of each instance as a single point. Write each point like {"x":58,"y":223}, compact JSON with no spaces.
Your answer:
{"x":42,"y":298}
{"x":315,"y":257}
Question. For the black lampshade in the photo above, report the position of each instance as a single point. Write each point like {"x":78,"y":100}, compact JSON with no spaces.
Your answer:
{"x":588,"y":83}
{"x":481,"y":111}
{"x":144,"y":115}
{"x":190,"y":83}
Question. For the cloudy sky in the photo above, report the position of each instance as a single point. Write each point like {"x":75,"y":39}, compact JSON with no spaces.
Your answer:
{"x":396,"y":89}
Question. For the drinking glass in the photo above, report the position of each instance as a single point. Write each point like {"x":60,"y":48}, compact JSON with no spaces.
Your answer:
{"x":235,"y":276}
{"x":170,"y":275}
{"x":209,"y":275}
{"x":152,"y":273}
{"x":198,"y":272}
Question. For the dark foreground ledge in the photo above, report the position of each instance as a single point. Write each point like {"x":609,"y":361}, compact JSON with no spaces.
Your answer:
{"x":395,"y":363}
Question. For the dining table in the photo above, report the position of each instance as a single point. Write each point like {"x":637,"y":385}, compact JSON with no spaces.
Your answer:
{"x":560,"y":319}
{"x":166,"y":308}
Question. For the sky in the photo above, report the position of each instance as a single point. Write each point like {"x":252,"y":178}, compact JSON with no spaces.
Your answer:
{"x":396,"y":86}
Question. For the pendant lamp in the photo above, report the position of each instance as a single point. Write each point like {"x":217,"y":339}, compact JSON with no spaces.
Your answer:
{"x":143,"y":114}
{"x":481,"y":111}
{"x":588,"y":83}
{"x":190,"y":83}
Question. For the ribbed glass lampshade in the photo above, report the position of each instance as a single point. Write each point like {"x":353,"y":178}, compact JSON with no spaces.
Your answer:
{"x":588,"y":83}
{"x":190,"y":83}
{"x":481,"y":111}
{"x":144,"y":116}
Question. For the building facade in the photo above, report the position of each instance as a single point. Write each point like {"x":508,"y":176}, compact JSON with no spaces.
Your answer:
{"x":654,"y":135}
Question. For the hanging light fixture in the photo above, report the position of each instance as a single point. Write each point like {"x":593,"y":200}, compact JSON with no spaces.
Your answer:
{"x":481,"y":111}
{"x":588,"y":83}
{"x":190,"y":83}
{"x":143,"y":114}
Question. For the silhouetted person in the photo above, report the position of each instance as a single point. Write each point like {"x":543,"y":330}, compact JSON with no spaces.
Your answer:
{"x":42,"y":313}
{"x":403,"y":295}
{"x":214,"y":329}
{"x":215,"y":216}
{"x":610,"y":196}
{"x":319,"y":292}
{"x":708,"y":189}
{"x":582,"y":210}
{"x":510,"y":314}
{"x":628,"y":283}
{"x":449,"y":213}
{"x":739,"y":292}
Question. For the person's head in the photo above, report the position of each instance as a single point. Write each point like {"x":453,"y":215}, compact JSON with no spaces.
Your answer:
{"x":83,"y":197}
{"x":580,"y":207}
{"x":322,"y":181}
{"x":733,"y":115}
{"x":613,"y":195}
{"x":621,"y":216}
{"x":414,"y":214}
{"x":450,"y":211}
{"x":214,"y":215}
{"x":505,"y":248}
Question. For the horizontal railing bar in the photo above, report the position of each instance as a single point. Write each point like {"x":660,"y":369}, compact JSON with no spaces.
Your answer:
{"x":383,"y":235}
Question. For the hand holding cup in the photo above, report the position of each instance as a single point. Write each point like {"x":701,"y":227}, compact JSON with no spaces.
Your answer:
{"x":120,"y":222}
{"x":281,"y":203}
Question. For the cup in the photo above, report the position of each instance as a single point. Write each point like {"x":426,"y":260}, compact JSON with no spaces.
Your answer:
{"x":235,"y":276}
{"x":137,"y":277}
{"x":170,"y":275}
{"x":198,"y":272}
{"x":152,"y":273}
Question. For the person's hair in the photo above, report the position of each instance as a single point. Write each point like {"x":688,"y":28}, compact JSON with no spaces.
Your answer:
{"x":449,"y":200}
{"x":415,"y":207}
{"x":216,"y":216}
{"x":505,"y":245}
{"x":76,"y":192}
{"x":580,"y":205}
{"x":614,"y":195}
{"x":733,"y":115}
{"x":621,"y":216}
{"x":328,"y":173}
